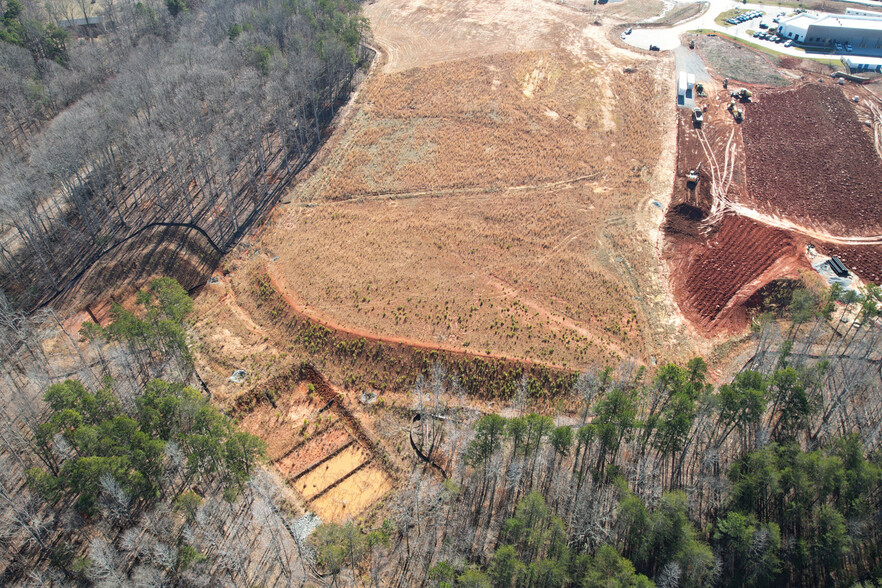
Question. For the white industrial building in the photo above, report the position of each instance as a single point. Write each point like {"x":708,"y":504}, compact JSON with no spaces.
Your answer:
{"x":861,"y":63}
{"x":860,"y":31}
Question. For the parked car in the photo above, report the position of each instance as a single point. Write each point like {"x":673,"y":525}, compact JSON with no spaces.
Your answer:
{"x":849,"y":48}
{"x":629,"y":30}
{"x":788,"y":43}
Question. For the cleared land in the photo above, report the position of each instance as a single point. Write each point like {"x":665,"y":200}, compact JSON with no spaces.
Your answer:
{"x":768,"y":187}
{"x":316,"y":445}
{"x":735,"y":260}
{"x":819,"y":167}
{"x":728,"y":59}
{"x":506,"y":120}
{"x":500,"y":204}
{"x":413,"y":33}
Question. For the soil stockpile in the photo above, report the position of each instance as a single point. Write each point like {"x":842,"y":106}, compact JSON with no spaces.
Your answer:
{"x":729,"y":265}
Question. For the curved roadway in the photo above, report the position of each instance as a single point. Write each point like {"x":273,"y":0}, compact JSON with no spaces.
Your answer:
{"x":669,"y":38}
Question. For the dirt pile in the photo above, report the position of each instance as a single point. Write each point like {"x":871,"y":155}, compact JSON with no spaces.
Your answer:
{"x":734,"y":261}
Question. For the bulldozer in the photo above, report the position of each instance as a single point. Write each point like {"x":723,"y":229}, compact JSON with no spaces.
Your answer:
{"x":699,"y":90}
{"x":693,"y":175}
{"x":743,"y":94}
{"x":738,"y":113}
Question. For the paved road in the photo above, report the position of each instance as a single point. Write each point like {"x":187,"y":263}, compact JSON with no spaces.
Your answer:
{"x":668,"y":39}
{"x":690,"y":62}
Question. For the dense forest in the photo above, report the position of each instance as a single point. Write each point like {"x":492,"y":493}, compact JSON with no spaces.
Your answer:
{"x":107,"y":470}
{"x":182,"y":112}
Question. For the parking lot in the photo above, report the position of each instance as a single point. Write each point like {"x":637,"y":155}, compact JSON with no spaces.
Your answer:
{"x":669,"y":38}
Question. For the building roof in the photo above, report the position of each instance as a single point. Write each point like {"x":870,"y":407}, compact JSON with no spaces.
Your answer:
{"x":803,"y":21}
{"x":849,"y":22}
{"x":838,"y":267}
{"x":857,"y":60}
{"x":864,"y":13}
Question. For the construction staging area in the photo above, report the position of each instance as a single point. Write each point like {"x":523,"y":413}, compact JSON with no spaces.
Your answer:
{"x":769,"y":184}
{"x":537,"y":200}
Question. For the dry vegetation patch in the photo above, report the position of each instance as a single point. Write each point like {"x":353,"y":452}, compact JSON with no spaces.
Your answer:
{"x":491,"y":204}
{"x":515,"y":272}
{"x":732,"y":60}
{"x":516,"y":119}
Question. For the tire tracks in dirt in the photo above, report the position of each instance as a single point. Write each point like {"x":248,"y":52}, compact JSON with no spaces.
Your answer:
{"x":438,"y":193}
{"x":721,"y":181}
{"x":509,"y":291}
{"x":317,"y":316}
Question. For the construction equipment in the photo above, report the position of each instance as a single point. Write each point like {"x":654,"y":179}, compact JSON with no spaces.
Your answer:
{"x":699,"y":90}
{"x":737,"y":113}
{"x":693,"y":175}
{"x":743,"y":94}
{"x":692,"y":44}
{"x":697,"y":117}
{"x":725,"y":82}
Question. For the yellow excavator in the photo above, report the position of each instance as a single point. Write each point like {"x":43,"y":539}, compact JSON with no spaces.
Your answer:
{"x":738,"y":113}
{"x":743,"y":94}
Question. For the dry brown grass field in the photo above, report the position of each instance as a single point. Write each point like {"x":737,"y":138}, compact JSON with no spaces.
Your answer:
{"x":499,"y":195}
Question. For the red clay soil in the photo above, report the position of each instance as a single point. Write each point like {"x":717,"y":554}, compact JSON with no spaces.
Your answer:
{"x":715,"y":270}
{"x":715,"y":278}
{"x":812,"y":161}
